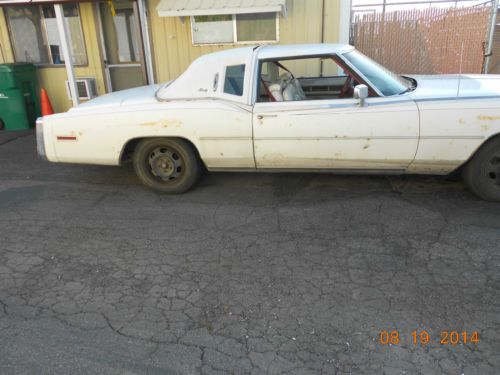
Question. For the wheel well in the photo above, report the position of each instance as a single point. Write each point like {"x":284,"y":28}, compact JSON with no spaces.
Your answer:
{"x":129,"y":148}
{"x":490,"y":139}
{"x":2,"y":124}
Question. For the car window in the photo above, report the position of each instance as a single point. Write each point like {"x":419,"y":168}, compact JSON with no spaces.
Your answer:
{"x":383,"y":79}
{"x":306,"y":78}
{"x":233,"y":82}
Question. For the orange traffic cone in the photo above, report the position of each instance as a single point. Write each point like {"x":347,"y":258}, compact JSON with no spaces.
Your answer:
{"x":45,"y":101}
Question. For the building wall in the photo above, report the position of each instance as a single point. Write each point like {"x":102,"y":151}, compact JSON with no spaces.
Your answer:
{"x":53,"y":77}
{"x":6,"y":55}
{"x":173,"y":50}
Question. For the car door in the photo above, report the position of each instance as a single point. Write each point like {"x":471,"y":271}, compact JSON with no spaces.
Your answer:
{"x":336,"y":134}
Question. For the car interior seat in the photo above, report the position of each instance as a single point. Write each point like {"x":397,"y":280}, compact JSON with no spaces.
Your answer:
{"x":293,"y":90}
{"x":276,"y":90}
{"x":287,"y":88}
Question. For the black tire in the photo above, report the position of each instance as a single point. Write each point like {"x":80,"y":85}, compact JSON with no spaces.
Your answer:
{"x":169,"y":166}
{"x":482,"y":173}
{"x":2,"y":125}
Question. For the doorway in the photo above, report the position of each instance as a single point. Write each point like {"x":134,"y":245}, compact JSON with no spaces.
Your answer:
{"x":122,"y":46}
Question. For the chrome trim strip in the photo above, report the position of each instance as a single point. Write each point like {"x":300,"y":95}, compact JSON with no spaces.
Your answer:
{"x":225,"y":138}
{"x":40,"y":141}
{"x":341,"y":138}
{"x":258,"y":169}
{"x":265,"y":107}
{"x":457,"y":98}
{"x":451,"y":137}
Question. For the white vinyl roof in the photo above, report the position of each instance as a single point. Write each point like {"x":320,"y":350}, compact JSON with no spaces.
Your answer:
{"x":182,"y":8}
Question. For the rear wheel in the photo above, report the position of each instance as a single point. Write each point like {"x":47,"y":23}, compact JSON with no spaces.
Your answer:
{"x":166,"y":165}
{"x":482,"y":172}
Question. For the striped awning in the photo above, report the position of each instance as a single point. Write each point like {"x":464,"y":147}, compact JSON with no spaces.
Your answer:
{"x":183,"y":8}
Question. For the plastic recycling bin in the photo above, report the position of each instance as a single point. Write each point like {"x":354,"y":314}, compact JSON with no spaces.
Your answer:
{"x":19,"y":97}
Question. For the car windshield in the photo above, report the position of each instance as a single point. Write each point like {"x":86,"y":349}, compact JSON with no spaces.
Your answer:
{"x":387,"y":82}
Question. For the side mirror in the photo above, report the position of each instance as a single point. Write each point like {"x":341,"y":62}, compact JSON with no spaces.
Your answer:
{"x":361,"y":93}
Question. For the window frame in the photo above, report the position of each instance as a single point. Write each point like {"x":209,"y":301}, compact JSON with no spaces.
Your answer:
{"x":235,"y":34}
{"x":46,"y":40}
{"x":334,"y":56}
{"x":226,"y":67}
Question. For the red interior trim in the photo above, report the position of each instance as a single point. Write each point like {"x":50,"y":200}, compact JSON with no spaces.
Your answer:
{"x":354,"y":75}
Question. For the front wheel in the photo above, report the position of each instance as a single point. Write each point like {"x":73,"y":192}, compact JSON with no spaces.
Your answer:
{"x":166,"y":165}
{"x":482,"y":172}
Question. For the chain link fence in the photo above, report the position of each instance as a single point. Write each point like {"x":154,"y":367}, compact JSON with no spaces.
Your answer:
{"x":425,"y":41}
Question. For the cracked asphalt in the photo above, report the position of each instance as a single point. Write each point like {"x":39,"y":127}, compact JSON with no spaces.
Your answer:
{"x":246,"y":274}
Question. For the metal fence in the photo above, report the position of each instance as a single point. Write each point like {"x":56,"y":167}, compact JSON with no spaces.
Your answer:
{"x":425,"y":41}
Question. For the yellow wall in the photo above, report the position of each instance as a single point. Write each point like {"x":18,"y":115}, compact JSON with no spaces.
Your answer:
{"x":173,"y":50}
{"x":6,"y":55}
{"x":53,"y":77}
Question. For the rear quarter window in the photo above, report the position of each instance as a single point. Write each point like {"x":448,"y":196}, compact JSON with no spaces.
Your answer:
{"x":234,"y":79}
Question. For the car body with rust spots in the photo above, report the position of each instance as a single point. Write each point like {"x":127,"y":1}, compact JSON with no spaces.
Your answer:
{"x":320,"y":107}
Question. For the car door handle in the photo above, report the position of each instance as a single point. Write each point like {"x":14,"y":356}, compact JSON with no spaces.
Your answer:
{"x":260,"y":117}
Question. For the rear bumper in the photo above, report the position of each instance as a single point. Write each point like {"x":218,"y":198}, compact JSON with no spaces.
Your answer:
{"x":40,"y":141}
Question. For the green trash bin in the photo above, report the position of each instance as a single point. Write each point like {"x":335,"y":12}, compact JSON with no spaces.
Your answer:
{"x":19,"y":96}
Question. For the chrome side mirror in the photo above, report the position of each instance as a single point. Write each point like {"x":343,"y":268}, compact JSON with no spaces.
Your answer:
{"x":361,"y":93}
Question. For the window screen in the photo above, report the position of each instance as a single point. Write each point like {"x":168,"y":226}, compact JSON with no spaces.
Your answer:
{"x":256,"y":27}
{"x":235,"y":28}
{"x":27,"y":34}
{"x":212,"y":29}
{"x":35,"y":36}
{"x":233,"y":83}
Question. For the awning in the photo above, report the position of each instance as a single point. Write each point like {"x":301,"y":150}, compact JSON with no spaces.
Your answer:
{"x":183,"y":8}
{"x":33,"y":2}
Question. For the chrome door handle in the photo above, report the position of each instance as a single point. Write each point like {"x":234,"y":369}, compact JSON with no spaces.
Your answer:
{"x":260,"y":117}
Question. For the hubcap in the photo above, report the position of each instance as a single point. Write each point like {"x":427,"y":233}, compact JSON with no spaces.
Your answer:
{"x":165,"y":164}
{"x":493,"y":170}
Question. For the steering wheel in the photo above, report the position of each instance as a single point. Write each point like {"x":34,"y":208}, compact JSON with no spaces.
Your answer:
{"x":347,"y":87}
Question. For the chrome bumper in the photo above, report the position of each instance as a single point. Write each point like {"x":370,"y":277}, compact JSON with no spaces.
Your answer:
{"x":40,"y":142}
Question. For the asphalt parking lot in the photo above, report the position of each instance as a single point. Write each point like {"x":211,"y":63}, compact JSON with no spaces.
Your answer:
{"x":248,"y":273}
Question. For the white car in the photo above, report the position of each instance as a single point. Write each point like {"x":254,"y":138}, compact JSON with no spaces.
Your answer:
{"x":320,"y":107}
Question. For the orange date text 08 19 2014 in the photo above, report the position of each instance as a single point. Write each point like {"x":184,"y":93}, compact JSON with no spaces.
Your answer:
{"x":423,"y":338}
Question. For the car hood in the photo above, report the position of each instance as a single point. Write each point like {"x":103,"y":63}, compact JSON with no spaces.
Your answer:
{"x":455,"y":86}
{"x":138,"y":95}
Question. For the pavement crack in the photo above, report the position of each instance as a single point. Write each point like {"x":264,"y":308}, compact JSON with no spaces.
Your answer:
{"x":15,"y":139}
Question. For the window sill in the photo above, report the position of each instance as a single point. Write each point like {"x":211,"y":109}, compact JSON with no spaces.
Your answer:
{"x":259,"y":42}
{"x":43,"y":66}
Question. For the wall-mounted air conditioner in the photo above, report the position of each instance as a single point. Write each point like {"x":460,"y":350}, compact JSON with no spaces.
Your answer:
{"x":86,"y":87}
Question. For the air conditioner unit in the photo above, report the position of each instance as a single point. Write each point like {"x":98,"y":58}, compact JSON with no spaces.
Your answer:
{"x":86,"y":87}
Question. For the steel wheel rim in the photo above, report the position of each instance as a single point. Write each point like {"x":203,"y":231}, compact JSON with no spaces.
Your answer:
{"x":493,"y":170}
{"x":165,"y":164}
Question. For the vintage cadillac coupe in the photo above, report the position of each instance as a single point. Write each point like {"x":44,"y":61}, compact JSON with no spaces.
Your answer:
{"x":320,"y":107}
